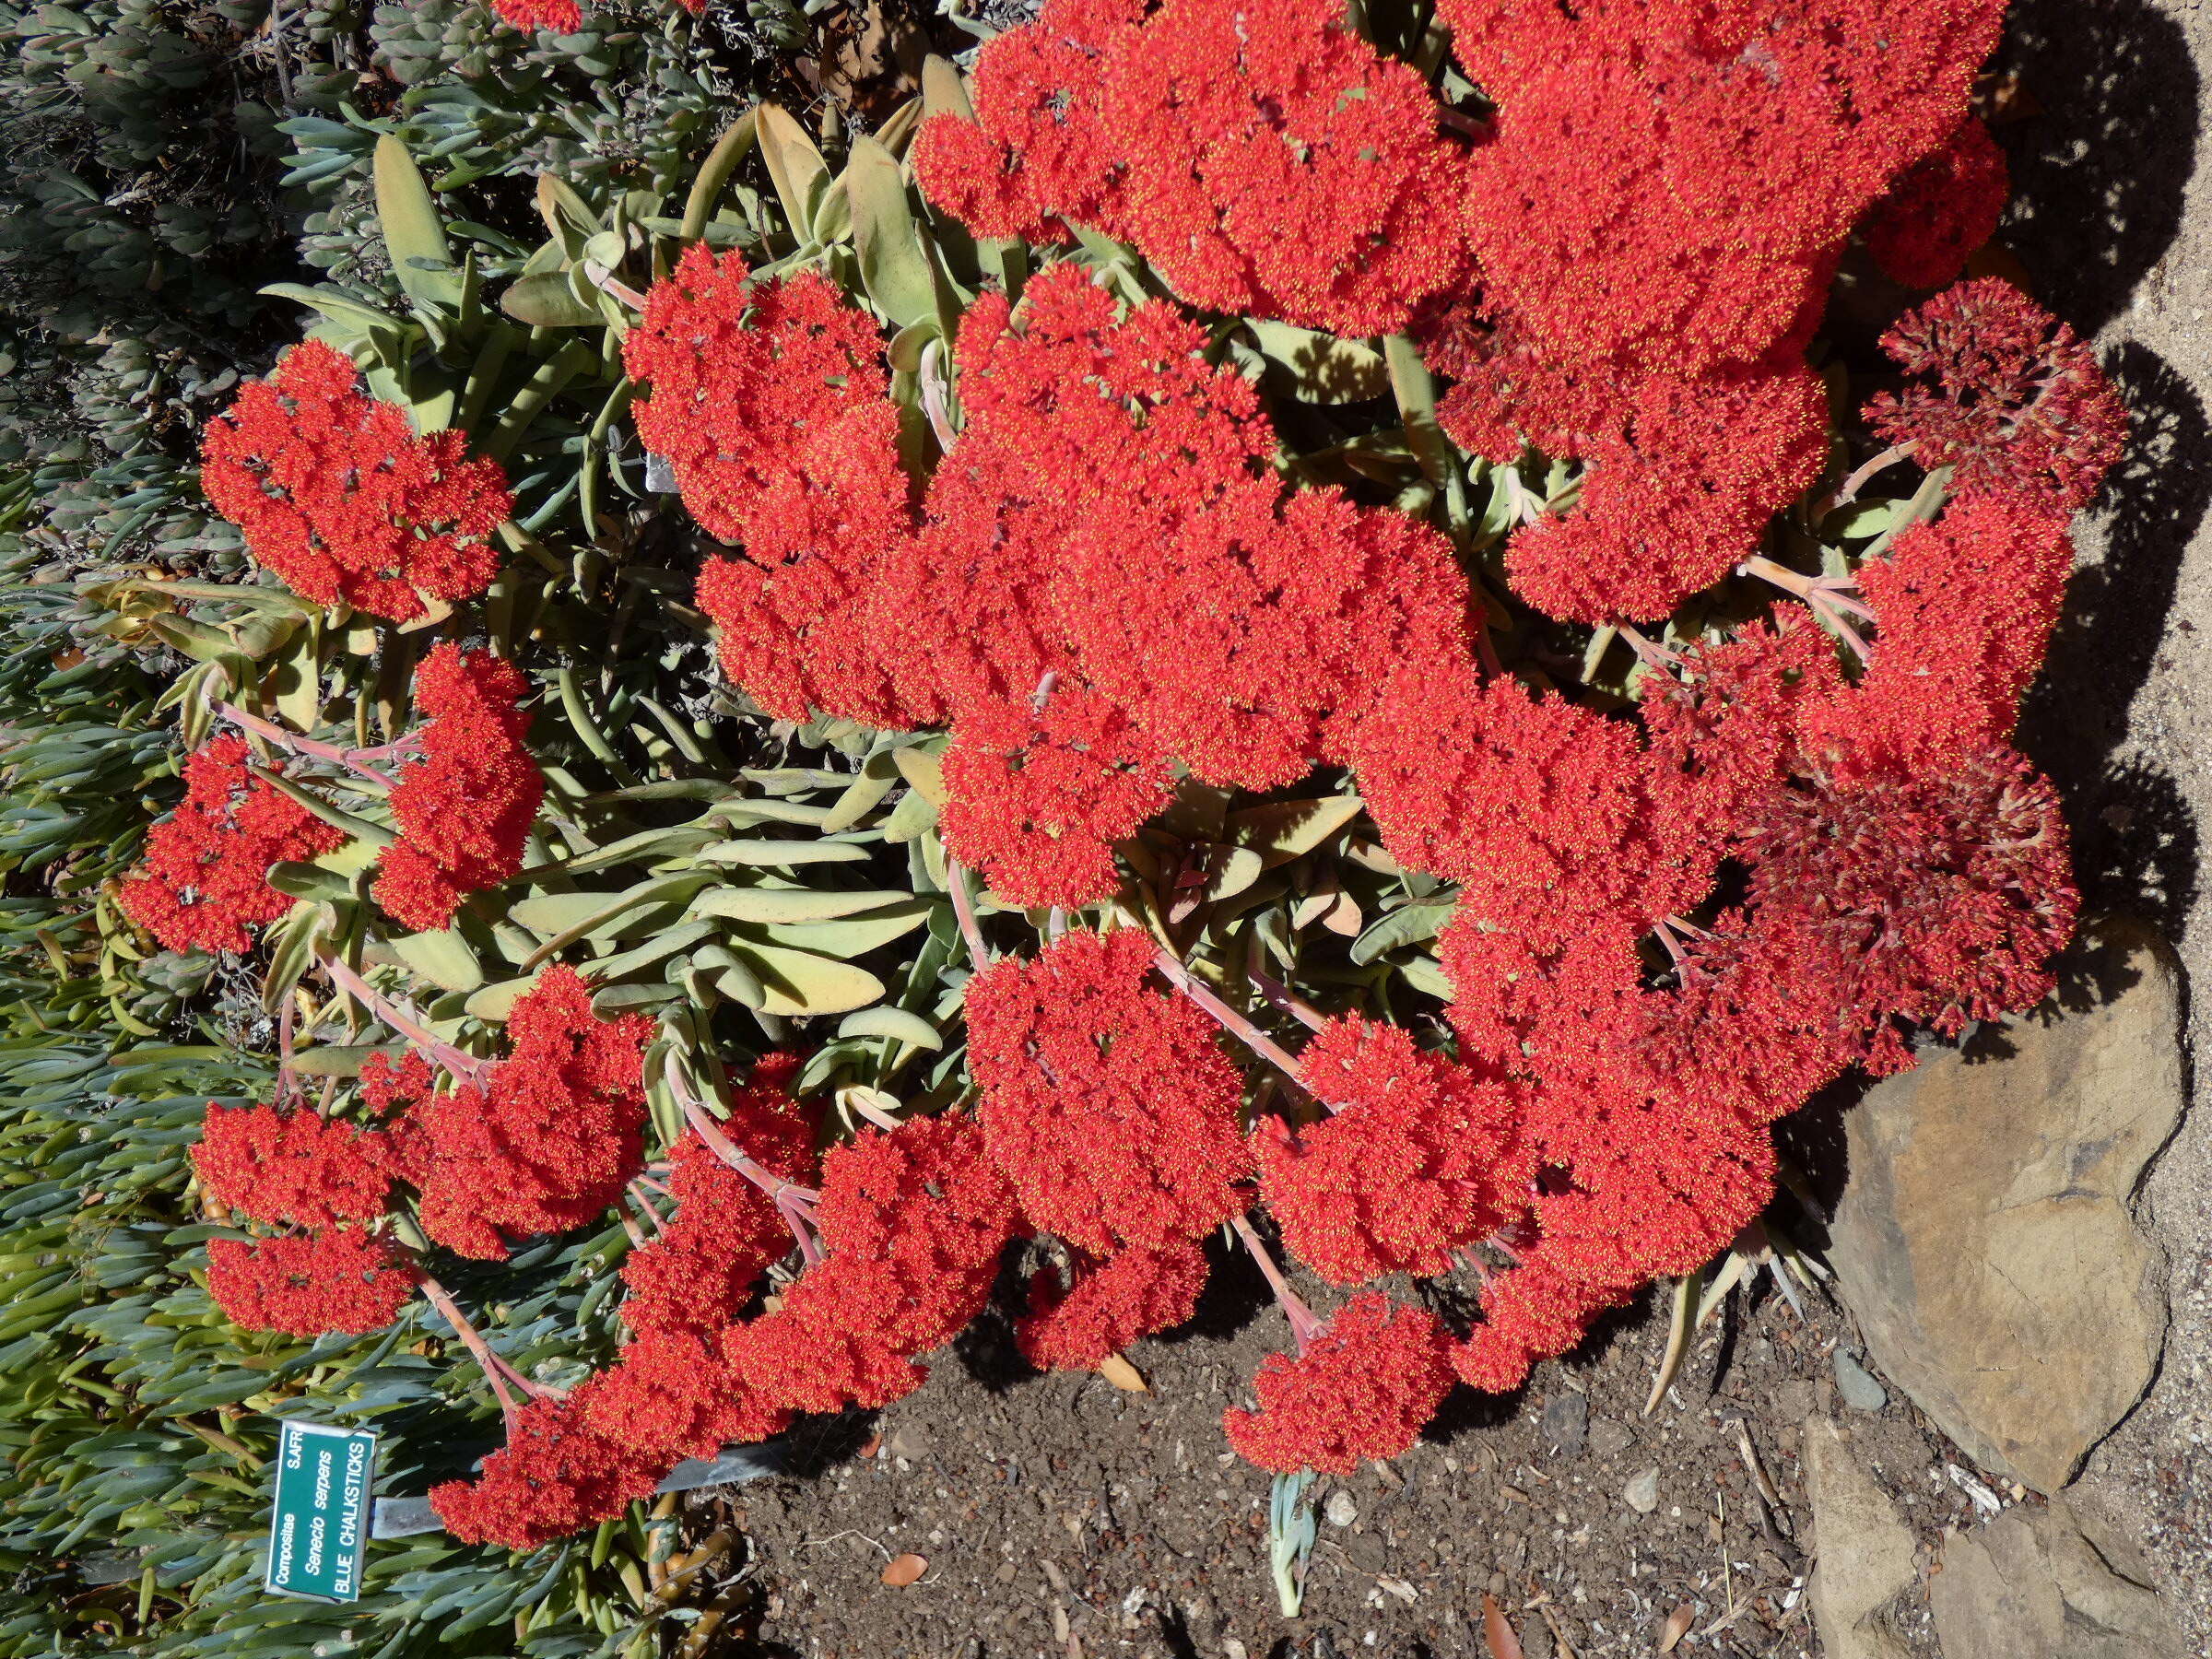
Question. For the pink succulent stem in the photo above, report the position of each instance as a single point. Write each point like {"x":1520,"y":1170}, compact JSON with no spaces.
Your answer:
{"x":963,"y":909}
{"x":1278,"y":993}
{"x":793,"y":1203}
{"x":1257,"y":1040}
{"x":354,"y":760}
{"x":496,"y":1371}
{"x":1847,"y":492}
{"x":1832,"y":598}
{"x":874,"y":1114}
{"x":466,"y":1067}
{"x":1305,"y":1324}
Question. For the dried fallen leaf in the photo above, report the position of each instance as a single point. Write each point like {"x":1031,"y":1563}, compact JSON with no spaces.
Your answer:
{"x":1122,"y":1374}
{"x":1497,"y":1631}
{"x":1678,"y":1623}
{"x":904,"y":1570}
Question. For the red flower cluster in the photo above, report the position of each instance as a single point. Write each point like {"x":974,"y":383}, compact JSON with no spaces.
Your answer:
{"x":913,"y":1221}
{"x":279,"y":1165}
{"x":1944,"y":206}
{"x":340,"y":496}
{"x":555,"y":1476}
{"x":1417,"y":1159}
{"x":1365,"y":1387}
{"x":768,"y":400}
{"x":1683,"y":475}
{"x":306,"y":1283}
{"x":546,"y":1140}
{"x":1669,"y":186}
{"x":1133,"y":1293}
{"x":543,"y":1141}
{"x":2020,"y":407}
{"x":561,"y":17}
{"x":697,"y":1275}
{"x":204,"y":881}
{"x":1265,"y":159}
{"x":1110,"y":1106}
{"x":1966,"y":607}
{"x":1101,"y":519}
{"x":1038,"y":795}
{"x":465,"y":809}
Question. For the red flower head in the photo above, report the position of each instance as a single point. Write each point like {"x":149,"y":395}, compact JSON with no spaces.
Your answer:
{"x":558,"y":17}
{"x":388,"y":1085}
{"x":1667,"y":186}
{"x":555,"y":1476}
{"x":290,"y":1166}
{"x":1964,"y":607}
{"x":1078,"y":420}
{"x":825,"y":1347}
{"x":1110,"y":1108}
{"x":1364,"y":1388}
{"x":1935,"y":898}
{"x":1534,"y":804}
{"x":205,"y":880}
{"x":1943,"y":207}
{"x":308,"y":1283}
{"x":1724,"y":735}
{"x":550,"y":1138}
{"x":465,"y":808}
{"x":1680,"y":486}
{"x":925,"y":1211}
{"x":1038,"y":796}
{"x":1277,"y":166}
{"x":769,"y":400}
{"x":1237,"y":638}
{"x":914,"y":1221}
{"x":1037,"y":150}
{"x":342,"y":499}
{"x":1129,"y":1295}
{"x":1414,"y":1164}
{"x":2020,"y":407}
{"x":703,"y":1270}
{"x":669,"y":1397}
{"x":1535,"y":1312}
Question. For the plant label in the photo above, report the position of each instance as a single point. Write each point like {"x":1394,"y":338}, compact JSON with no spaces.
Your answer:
{"x":319,"y":1531}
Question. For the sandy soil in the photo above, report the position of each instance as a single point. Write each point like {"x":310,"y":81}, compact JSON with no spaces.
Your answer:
{"x":2113,"y":221}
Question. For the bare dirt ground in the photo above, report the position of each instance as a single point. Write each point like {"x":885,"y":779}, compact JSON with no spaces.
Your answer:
{"x":2113,"y":221}
{"x":1059,"y":1517}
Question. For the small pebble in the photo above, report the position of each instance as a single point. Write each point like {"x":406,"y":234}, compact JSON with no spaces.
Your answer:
{"x":1641,"y":1494}
{"x":1609,"y":1438}
{"x":1567,"y":1422}
{"x":1340,"y":1510}
{"x":1860,"y":1391}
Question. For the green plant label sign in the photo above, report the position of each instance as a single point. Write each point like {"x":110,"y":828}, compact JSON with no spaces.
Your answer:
{"x":320,"y":1529}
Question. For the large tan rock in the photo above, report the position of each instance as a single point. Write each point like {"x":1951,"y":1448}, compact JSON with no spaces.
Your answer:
{"x":1863,"y":1551}
{"x":2034,"y":1582}
{"x":1985,"y":1239}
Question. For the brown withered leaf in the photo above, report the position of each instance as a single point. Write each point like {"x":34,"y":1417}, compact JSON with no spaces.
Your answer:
{"x":1677,"y":1626}
{"x":1123,"y":1375}
{"x":1498,"y":1631}
{"x":904,"y":1570}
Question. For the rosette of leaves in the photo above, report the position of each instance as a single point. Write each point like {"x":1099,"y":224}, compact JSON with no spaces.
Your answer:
{"x":628,"y":102}
{"x":130,"y":191}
